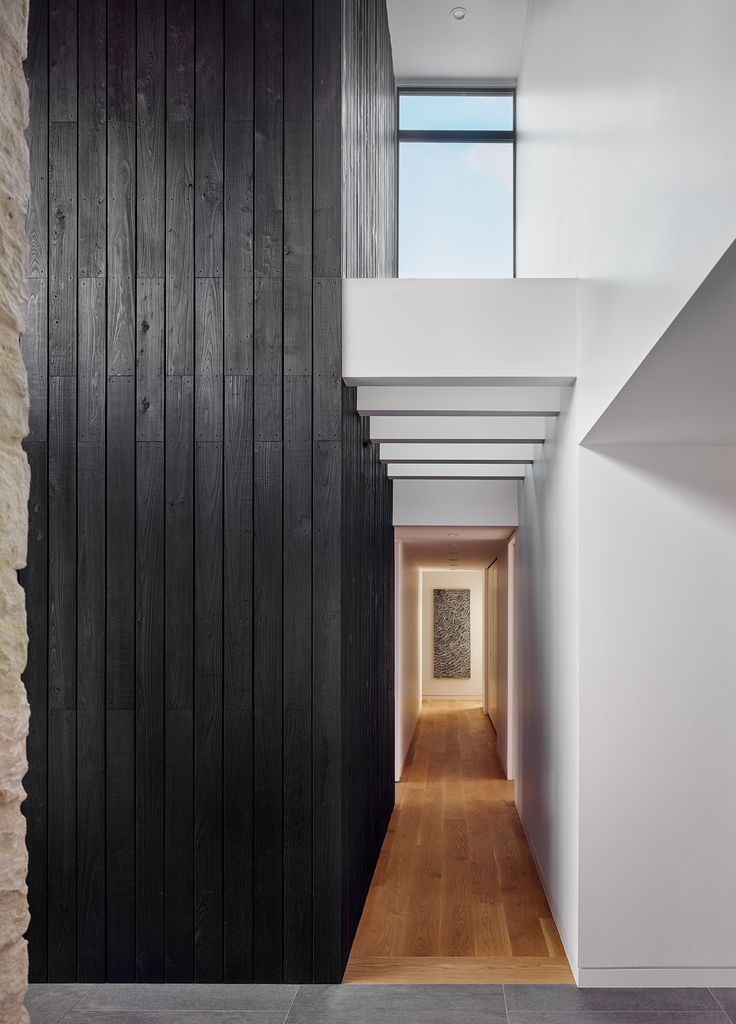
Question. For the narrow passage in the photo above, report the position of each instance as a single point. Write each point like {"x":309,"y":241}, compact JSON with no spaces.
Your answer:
{"x":456,"y":896}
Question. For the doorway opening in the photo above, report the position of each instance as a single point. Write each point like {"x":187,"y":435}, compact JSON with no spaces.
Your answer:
{"x":456,"y":896}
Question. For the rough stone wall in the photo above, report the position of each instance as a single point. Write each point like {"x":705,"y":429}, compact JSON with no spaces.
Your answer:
{"x":14,"y":481}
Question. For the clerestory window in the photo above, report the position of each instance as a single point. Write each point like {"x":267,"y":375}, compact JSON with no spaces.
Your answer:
{"x":456,"y":183}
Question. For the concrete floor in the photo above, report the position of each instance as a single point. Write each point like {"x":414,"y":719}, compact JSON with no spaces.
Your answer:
{"x":376,"y":1004}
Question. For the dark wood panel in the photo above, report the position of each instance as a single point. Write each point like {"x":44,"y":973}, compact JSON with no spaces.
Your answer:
{"x":151,"y":139}
{"x":269,"y":119}
{"x":121,"y":182}
{"x":326,"y":711}
{"x":92,"y":109}
{"x":267,"y":711}
{"x":62,"y":60}
{"x":62,"y":249}
{"x":180,"y":60}
{"x":238,"y":681}
{"x":120,"y":560}
{"x":179,"y":558}
{"x":210,"y":528}
{"x":209,"y":138}
{"x":91,"y":399}
{"x":150,"y":355}
{"x":239,"y":61}
{"x":90,"y":767}
{"x":62,"y":542}
{"x":149,"y":713}
{"x":120,"y":841}
{"x":268,"y":396}
{"x":208,"y":359}
{"x":297,"y":727}
{"x":179,"y":845}
{"x":180,"y":249}
{"x":238,"y":270}
{"x":208,"y":715}
{"x":62,"y":843}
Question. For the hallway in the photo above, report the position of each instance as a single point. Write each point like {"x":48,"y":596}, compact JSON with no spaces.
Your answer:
{"x":456,"y":896}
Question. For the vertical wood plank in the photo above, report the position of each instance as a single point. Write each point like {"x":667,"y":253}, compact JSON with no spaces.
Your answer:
{"x":120,"y":561}
{"x":238,"y":269}
{"x":179,"y":558}
{"x":62,"y":825}
{"x":62,"y":543}
{"x":269,"y":117}
{"x":62,"y":249}
{"x":208,"y":358}
{"x":180,"y":60}
{"x":120,"y":841}
{"x":209,"y":96}
{"x":238,"y":938}
{"x":179,"y":845}
{"x":149,"y":713}
{"x":268,"y":383}
{"x":238,"y":61}
{"x":267,"y":712}
{"x":91,"y":375}
{"x":90,"y":766}
{"x":92,"y":107}
{"x":151,"y":140}
{"x":62,"y":60}
{"x":208,"y":715}
{"x":327,"y":875}
{"x":180,"y":249}
{"x":150,"y":355}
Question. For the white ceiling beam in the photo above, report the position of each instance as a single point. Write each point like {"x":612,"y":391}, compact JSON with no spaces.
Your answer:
{"x":470,"y":429}
{"x":420,"y":451}
{"x":458,"y":401}
{"x":443,"y":471}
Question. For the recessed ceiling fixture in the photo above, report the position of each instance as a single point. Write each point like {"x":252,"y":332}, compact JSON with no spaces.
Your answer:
{"x":453,"y":534}
{"x":458,"y":14}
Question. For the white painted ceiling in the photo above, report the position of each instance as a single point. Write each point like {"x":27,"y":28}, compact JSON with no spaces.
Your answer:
{"x":430,"y":47}
{"x":458,"y":547}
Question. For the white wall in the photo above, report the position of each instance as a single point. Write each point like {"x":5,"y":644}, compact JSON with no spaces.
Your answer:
{"x":460,"y":689}
{"x":499,"y":660}
{"x":625,"y":180}
{"x":625,"y":167}
{"x":408,"y":681}
{"x":657,"y":713}
{"x":546,"y":671}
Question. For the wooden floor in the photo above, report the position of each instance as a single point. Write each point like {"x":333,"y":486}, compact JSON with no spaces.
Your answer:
{"x":455,"y":897}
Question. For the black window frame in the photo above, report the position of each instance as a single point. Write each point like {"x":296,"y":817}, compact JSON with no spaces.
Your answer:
{"x":451,"y":135}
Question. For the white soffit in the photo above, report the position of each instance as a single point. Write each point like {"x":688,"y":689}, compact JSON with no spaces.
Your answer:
{"x":457,"y":454}
{"x":458,"y":401}
{"x":430,"y":47}
{"x":447,"y":471}
{"x":509,"y":429}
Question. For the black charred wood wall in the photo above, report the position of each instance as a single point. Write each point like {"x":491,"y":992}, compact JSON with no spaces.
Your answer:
{"x":209,"y":585}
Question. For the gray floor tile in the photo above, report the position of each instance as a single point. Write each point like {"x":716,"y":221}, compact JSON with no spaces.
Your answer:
{"x":176,"y":1017}
{"x":398,"y":1004}
{"x":532,"y":998}
{"x":616,"y":1017}
{"x":47,"y":1004}
{"x":149,"y":998}
{"x":727,"y":998}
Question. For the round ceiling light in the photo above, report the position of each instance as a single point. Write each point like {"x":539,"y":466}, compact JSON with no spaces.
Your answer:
{"x":458,"y":14}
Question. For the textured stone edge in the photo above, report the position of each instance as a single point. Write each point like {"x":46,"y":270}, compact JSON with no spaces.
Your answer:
{"x":14,"y":486}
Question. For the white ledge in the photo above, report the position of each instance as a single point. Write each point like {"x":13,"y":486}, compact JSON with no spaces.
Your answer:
{"x":496,"y":332}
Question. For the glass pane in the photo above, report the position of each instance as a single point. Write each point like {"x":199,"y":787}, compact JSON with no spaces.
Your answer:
{"x":456,"y":209}
{"x":456,"y":112}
